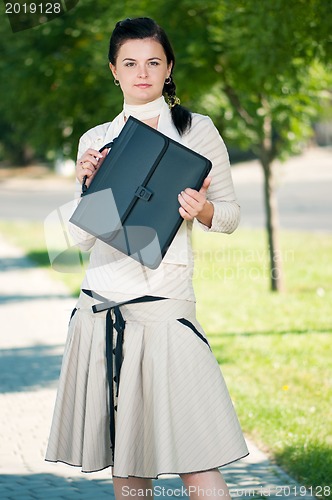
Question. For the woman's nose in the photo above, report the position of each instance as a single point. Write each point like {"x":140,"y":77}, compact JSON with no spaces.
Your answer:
{"x":142,"y":72}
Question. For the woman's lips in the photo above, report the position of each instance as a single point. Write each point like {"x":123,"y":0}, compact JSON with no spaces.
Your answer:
{"x":143,"y":85}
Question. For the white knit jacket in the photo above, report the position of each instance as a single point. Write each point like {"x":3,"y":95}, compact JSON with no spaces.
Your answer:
{"x":122,"y":278}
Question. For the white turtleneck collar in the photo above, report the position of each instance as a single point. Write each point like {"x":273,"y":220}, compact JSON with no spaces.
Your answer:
{"x":144,"y":111}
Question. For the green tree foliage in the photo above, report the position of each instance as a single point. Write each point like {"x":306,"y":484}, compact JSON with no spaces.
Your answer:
{"x":55,"y":79}
{"x":261,"y":70}
{"x":236,"y":60}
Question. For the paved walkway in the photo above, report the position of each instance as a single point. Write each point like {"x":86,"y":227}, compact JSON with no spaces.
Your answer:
{"x":34,"y":312}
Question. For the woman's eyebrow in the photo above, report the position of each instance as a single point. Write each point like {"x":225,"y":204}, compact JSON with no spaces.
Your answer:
{"x":131,"y":59}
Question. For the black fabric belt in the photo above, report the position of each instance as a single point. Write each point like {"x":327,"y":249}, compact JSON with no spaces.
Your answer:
{"x":114,"y":365}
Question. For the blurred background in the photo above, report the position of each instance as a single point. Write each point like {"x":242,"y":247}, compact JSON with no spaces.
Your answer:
{"x":262,"y":71}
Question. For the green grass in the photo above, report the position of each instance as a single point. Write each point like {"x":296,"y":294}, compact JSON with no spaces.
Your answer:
{"x":274,"y":349}
{"x":30,"y":237}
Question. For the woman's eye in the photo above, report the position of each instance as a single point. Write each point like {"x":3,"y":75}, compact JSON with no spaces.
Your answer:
{"x":129,"y":64}
{"x":154,"y":63}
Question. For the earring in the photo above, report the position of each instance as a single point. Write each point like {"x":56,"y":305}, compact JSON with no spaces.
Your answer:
{"x":116,"y":82}
{"x":168,"y":80}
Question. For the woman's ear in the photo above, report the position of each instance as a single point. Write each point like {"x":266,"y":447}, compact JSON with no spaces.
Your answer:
{"x":112,"y":68}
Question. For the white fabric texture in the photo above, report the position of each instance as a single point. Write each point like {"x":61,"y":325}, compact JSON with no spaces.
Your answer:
{"x":174,"y":413}
{"x":122,"y":277}
{"x":150,"y":110}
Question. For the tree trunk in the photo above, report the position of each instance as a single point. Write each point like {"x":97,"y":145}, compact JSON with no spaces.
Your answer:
{"x":267,"y":154}
{"x":272,"y":227}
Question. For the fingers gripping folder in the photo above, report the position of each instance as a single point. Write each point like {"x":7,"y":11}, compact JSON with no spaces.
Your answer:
{"x":142,"y":175}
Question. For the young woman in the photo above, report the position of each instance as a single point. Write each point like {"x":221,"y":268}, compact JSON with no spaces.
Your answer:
{"x":170,"y":411}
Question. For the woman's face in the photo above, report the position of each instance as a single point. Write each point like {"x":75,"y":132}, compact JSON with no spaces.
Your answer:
{"x":141,"y":68}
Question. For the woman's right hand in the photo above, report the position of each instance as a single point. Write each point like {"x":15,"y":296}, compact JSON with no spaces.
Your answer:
{"x":88,"y":164}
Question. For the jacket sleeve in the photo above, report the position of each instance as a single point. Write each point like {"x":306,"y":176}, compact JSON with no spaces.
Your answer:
{"x":81,"y":238}
{"x":205,"y":139}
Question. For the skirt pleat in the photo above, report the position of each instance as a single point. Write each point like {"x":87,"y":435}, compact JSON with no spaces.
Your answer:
{"x":173,"y":410}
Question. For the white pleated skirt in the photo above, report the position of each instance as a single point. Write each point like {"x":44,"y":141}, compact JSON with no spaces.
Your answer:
{"x":173,"y":411}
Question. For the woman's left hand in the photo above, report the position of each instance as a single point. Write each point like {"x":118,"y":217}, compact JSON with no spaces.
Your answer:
{"x":194,"y":204}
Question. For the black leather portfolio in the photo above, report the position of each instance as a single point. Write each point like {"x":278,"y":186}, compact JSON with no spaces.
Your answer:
{"x":132,"y":202}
